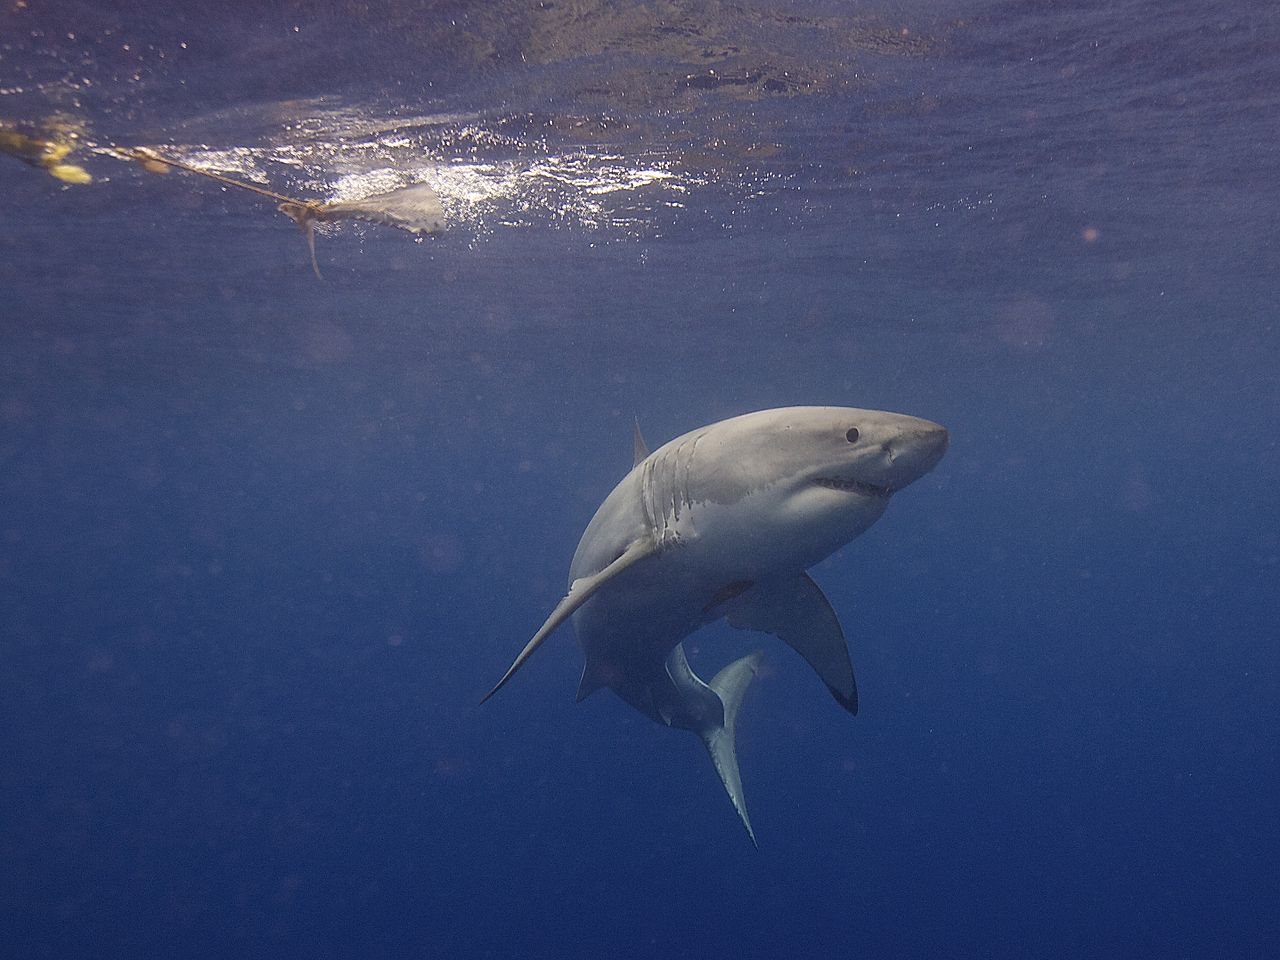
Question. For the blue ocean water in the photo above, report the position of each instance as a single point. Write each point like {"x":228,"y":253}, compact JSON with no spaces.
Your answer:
{"x":265,"y":540}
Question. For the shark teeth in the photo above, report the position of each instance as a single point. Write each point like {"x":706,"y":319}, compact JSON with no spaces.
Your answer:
{"x":853,"y":486}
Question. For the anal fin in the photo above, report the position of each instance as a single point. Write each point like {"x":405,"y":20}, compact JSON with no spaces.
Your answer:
{"x":594,"y":678}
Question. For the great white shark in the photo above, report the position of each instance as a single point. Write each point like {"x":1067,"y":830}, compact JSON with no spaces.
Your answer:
{"x":723,"y":522}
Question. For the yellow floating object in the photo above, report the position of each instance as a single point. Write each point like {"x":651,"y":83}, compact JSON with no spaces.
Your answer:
{"x":45,"y":154}
{"x":70,"y":173}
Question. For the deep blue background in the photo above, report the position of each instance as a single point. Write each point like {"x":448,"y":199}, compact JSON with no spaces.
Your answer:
{"x":264,"y":542}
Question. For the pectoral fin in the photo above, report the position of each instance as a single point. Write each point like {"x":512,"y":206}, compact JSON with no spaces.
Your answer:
{"x":797,"y":612}
{"x":580,"y":592}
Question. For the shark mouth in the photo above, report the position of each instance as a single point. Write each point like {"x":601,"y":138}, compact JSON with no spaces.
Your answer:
{"x":853,"y":486}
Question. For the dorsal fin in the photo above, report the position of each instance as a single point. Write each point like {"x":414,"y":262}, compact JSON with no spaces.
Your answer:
{"x":640,"y":448}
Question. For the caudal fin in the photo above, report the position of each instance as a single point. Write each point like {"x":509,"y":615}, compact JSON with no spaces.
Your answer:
{"x":730,"y":684}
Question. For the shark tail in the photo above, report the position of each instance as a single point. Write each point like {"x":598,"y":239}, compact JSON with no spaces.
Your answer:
{"x":730,"y":684}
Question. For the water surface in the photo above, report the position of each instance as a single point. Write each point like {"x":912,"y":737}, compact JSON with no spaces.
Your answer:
{"x":266,"y":540}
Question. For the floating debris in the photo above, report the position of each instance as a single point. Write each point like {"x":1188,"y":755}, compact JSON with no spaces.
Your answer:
{"x":47,"y":155}
{"x":415,"y":209}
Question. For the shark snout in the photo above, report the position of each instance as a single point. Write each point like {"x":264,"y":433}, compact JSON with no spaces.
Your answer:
{"x":913,"y":451}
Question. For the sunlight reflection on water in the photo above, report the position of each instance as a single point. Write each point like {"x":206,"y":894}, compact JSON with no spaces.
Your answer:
{"x":485,"y":179}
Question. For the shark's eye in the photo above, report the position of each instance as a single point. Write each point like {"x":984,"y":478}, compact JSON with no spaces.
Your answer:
{"x":851,"y":435}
